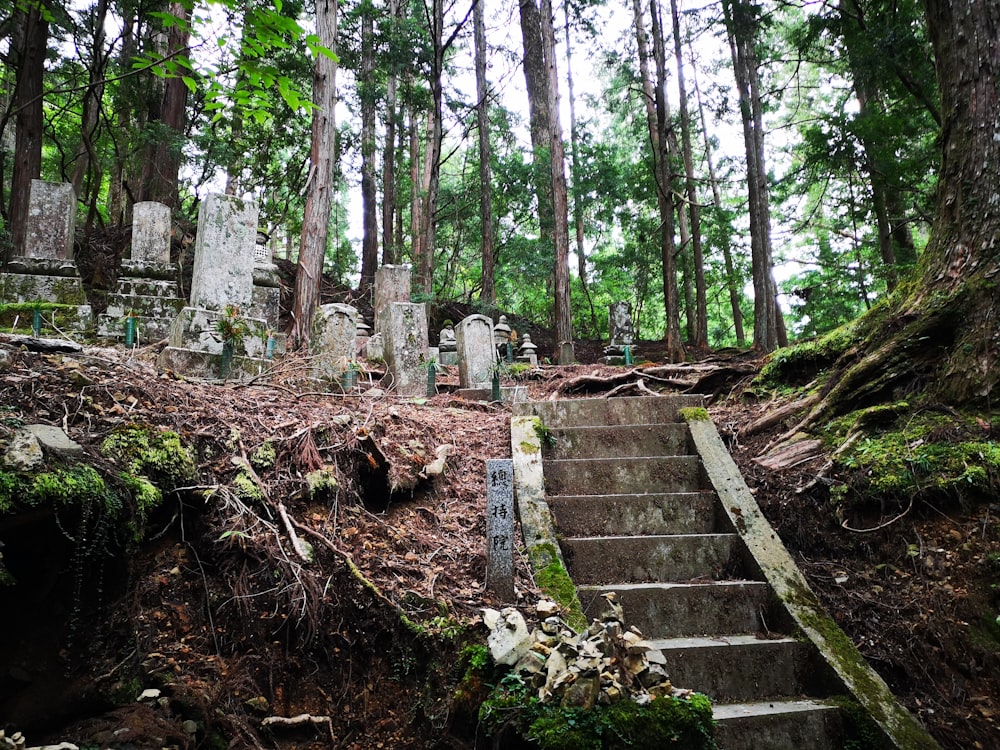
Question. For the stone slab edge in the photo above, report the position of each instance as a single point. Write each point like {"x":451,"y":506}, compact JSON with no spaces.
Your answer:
{"x":537,"y":525}
{"x":898,"y":725}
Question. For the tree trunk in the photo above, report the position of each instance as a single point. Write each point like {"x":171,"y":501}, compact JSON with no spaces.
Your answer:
{"x":943,"y":337}
{"x":733,"y":284}
{"x":319,"y":198}
{"x":560,"y":207}
{"x":668,"y":251}
{"x":390,"y":252}
{"x":161,"y":171}
{"x":488,"y":250}
{"x":700,"y":340}
{"x":768,"y":326}
{"x":91,"y":100}
{"x":33,"y":32}
{"x":574,"y":140}
{"x":536,"y":82}
{"x":123,"y":121}
{"x":366,"y":91}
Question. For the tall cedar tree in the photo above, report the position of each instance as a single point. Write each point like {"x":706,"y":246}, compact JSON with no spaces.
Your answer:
{"x":941,"y":334}
{"x":319,"y":195}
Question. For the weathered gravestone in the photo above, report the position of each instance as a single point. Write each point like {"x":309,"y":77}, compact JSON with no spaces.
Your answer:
{"x":221,"y":296}
{"x":477,"y":354}
{"x":621,"y":333}
{"x":500,"y":528}
{"x":224,"y":253}
{"x":392,"y":284}
{"x":528,"y":351}
{"x":334,"y":340}
{"x":147,"y":290}
{"x":403,"y":327}
{"x":48,"y":231}
{"x":45,"y":276}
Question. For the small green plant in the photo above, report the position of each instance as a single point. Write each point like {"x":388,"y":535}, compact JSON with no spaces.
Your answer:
{"x":231,"y":327}
{"x":545,"y":435}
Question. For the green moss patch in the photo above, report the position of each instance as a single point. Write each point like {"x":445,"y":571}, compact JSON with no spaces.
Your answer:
{"x":799,"y":364}
{"x":158,"y":455}
{"x":663,"y":722}
{"x":554,"y":581}
{"x":911,"y":454}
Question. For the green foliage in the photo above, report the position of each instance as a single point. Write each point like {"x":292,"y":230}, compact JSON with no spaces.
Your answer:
{"x":157,"y":455}
{"x":664,"y":722}
{"x":545,"y":436}
{"x":247,"y":489}
{"x":264,"y":457}
{"x":694,"y":414}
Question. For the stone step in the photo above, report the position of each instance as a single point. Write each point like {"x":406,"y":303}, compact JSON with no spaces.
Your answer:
{"x":669,"y":513}
{"x":589,"y":412}
{"x":730,"y":668}
{"x":613,"y":476}
{"x":148,"y":328}
{"x":779,"y":725}
{"x":132,"y":287}
{"x":671,"y":439}
{"x":636,"y":559}
{"x":671,"y":610}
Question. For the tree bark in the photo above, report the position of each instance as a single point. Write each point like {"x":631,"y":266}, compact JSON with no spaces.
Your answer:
{"x":92,"y":99}
{"x":768,"y":325}
{"x":668,"y":250}
{"x":488,"y":249}
{"x":319,"y":196}
{"x":366,"y":91}
{"x":733,"y":284}
{"x":700,"y":339}
{"x":159,"y":180}
{"x":560,"y":207}
{"x":33,"y":32}
{"x":536,"y":82}
{"x":943,"y":337}
{"x":389,"y":246}
{"x":574,"y":170}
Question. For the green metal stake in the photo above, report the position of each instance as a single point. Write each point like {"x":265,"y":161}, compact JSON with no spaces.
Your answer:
{"x":431,"y":379}
{"x":628,"y":354}
{"x":269,"y":350}
{"x":130,"y":331}
{"x":495,"y":389}
{"x":36,"y":322}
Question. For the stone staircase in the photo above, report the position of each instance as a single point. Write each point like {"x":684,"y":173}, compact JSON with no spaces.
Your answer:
{"x":638,"y":510}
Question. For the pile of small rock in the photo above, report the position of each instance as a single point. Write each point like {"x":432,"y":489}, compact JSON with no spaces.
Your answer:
{"x":604,"y":664}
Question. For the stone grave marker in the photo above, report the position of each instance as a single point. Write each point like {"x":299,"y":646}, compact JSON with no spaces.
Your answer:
{"x":333,"y":341}
{"x":224,"y":253}
{"x":621,"y":333}
{"x":147,"y":288}
{"x":500,"y":527}
{"x":403,"y":326}
{"x":266,"y":302}
{"x":477,"y":354}
{"x":150,"y":233}
{"x":45,"y":274}
{"x":392,"y":284}
{"x":51,"y":220}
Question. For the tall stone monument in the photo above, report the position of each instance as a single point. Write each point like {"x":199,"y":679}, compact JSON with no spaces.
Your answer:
{"x":221,"y":296}
{"x":403,"y":326}
{"x":392,"y":284}
{"x":45,"y":276}
{"x":147,"y":289}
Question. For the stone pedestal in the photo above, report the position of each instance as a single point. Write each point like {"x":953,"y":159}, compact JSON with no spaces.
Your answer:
{"x":392,"y":284}
{"x":477,"y":354}
{"x":147,"y":288}
{"x":333,"y":341}
{"x":404,"y":330}
{"x":621,"y":334}
{"x":45,"y":277}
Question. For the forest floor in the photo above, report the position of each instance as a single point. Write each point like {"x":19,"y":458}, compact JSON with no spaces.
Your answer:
{"x":214,"y":608}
